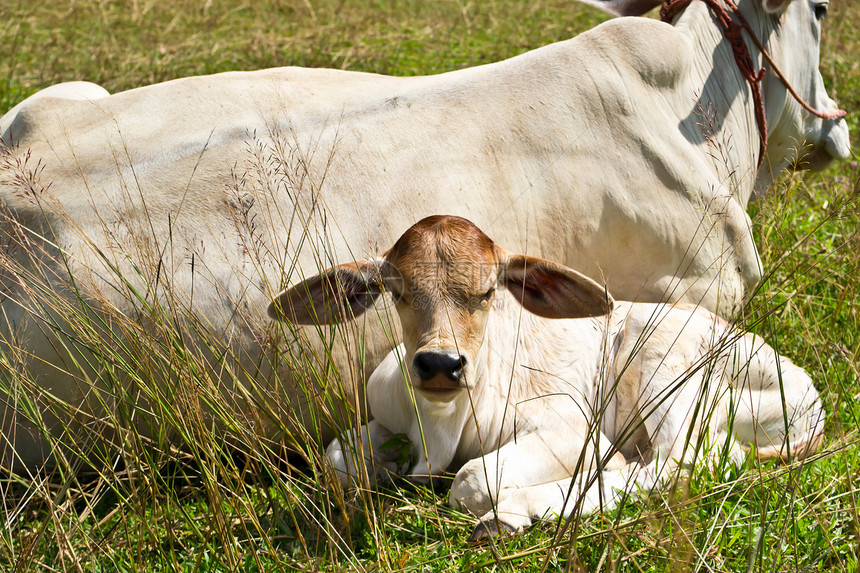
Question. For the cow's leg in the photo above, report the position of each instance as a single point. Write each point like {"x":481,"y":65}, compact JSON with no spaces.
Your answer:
{"x":749,"y":397}
{"x":357,"y":456}
{"x":66,"y":90}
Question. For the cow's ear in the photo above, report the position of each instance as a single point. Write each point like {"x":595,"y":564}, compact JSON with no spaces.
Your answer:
{"x":336,"y":295}
{"x":775,"y":6}
{"x":624,"y":7}
{"x":554,"y":291}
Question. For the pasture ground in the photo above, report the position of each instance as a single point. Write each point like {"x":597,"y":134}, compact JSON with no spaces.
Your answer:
{"x":218,"y":514}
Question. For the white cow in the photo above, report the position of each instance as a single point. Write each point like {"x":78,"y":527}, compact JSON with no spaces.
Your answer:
{"x":535,"y":404}
{"x":628,"y":152}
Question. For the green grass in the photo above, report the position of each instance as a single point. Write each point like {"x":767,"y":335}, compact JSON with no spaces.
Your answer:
{"x":205,"y":510}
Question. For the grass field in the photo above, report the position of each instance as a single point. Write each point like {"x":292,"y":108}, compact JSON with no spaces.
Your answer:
{"x":224,"y":515}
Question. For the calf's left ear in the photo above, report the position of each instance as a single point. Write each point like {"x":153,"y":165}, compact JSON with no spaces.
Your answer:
{"x":554,"y":291}
{"x":336,"y":295}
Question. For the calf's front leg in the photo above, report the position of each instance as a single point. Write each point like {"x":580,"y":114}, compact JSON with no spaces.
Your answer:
{"x":531,"y":477}
{"x":357,"y":456}
{"x":583,"y":493}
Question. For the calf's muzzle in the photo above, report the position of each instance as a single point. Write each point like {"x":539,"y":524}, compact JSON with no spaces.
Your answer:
{"x":439,"y":369}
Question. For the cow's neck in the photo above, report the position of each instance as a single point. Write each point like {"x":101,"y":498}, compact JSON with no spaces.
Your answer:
{"x":725,"y":115}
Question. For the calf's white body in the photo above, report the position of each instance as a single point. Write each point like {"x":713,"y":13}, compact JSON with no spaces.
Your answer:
{"x":557,"y":400}
{"x":532,"y":409}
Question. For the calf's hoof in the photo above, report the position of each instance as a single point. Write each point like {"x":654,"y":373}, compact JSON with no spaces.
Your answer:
{"x":486,"y":530}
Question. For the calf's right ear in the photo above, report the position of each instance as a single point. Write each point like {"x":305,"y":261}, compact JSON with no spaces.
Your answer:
{"x":336,"y":295}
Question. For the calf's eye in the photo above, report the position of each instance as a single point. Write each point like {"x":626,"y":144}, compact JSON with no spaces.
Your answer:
{"x":481,"y":301}
{"x":395,"y":296}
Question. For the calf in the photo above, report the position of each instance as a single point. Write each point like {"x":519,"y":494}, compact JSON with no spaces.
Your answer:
{"x":559,"y":408}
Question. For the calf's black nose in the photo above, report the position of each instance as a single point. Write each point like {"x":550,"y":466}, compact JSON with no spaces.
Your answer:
{"x":429,"y":364}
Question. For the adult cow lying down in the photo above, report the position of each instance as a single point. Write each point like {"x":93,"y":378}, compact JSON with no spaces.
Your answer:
{"x":535,"y":404}
{"x":629,"y":152}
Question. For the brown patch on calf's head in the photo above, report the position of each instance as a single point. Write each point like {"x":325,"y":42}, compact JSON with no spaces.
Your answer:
{"x":448,"y":273}
{"x":444,"y":272}
{"x":448,"y":252}
{"x":443,"y":259}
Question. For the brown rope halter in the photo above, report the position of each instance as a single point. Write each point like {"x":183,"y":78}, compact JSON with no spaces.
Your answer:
{"x":732,"y":31}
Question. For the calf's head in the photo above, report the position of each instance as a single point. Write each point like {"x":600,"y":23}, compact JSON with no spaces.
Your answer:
{"x":444,"y":276}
